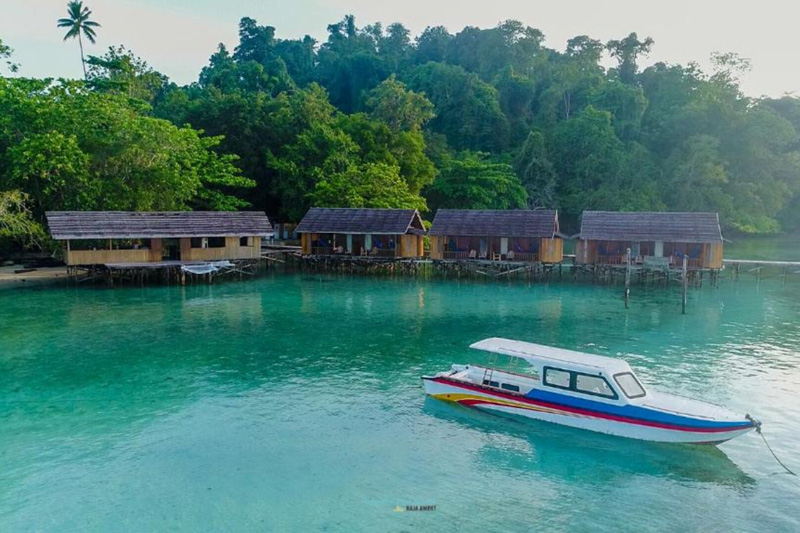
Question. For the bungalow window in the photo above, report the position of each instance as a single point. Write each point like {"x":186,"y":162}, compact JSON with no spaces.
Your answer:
{"x":197,"y":242}
{"x":216,"y":242}
{"x":244,"y":241}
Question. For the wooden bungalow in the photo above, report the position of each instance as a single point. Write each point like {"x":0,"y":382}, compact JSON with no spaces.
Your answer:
{"x":513,"y":235}
{"x":656,"y":239}
{"x":111,"y":237}
{"x":362,"y":232}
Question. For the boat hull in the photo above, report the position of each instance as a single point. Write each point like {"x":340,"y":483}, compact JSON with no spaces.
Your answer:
{"x":486,"y":399}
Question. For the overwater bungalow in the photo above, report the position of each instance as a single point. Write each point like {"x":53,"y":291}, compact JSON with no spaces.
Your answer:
{"x":656,"y":239}
{"x":388,"y":233}
{"x":511,"y":235}
{"x":124,"y":237}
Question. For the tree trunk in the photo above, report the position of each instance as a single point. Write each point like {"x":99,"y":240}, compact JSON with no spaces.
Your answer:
{"x":83,"y":61}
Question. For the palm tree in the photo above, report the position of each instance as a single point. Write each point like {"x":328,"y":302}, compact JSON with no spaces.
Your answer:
{"x":79,"y":23}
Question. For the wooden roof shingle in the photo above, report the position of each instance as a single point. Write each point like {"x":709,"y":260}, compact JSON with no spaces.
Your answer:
{"x":495,"y":223}
{"x":66,"y":225}
{"x":650,"y":226}
{"x":361,"y":221}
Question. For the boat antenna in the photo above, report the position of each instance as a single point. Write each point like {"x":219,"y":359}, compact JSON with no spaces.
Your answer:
{"x":758,"y":430}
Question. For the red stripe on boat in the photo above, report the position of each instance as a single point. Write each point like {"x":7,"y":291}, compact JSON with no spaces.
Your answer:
{"x":579,"y":411}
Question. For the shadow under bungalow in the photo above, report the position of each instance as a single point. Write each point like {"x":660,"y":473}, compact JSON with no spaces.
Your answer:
{"x":526,"y":236}
{"x":657,"y":240}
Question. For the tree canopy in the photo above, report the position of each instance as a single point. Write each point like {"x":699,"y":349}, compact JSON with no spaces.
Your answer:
{"x":374,"y":116}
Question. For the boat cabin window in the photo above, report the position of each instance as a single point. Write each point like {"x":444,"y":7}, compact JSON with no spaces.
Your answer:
{"x":629,"y":385}
{"x":579,"y":382}
{"x":594,"y":385}
{"x":491,"y":383}
{"x":509,"y":386}
{"x":557,"y":378}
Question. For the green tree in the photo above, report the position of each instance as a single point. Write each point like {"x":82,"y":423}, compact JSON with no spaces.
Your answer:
{"x":536,"y":172}
{"x":467,"y":109}
{"x":119,"y":70}
{"x":698,"y":179}
{"x":5,"y":54}
{"x":17,"y":225}
{"x":626,"y":51}
{"x":432,"y":45}
{"x":471,"y":181}
{"x":79,"y":23}
{"x":348,"y":63}
{"x":394,"y":47}
{"x":587,"y":156}
{"x":69,"y":148}
{"x":320,"y":151}
{"x":369,"y":185}
{"x":299,"y":57}
{"x":256,"y":43}
{"x":399,"y":108}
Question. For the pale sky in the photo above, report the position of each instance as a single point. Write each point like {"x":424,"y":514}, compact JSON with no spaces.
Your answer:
{"x":177,"y":36}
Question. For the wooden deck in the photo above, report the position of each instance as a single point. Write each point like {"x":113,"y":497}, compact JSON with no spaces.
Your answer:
{"x":153,"y":264}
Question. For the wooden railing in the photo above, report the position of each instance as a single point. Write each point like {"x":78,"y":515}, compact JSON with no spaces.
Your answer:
{"x":522,"y":257}
{"x":321,"y":250}
{"x":459,"y":255}
{"x":380,"y":252}
{"x":611,"y":259}
{"x":649,"y":261}
{"x":222,"y":253}
{"x":101,"y":257}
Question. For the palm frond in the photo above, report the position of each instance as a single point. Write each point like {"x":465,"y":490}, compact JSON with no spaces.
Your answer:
{"x":90,"y":34}
{"x":72,"y":33}
{"x":74,"y":9}
{"x":78,"y":21}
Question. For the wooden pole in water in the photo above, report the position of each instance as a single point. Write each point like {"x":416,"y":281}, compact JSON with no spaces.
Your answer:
{"x":685,"y":284}
{"x":627,"y":277}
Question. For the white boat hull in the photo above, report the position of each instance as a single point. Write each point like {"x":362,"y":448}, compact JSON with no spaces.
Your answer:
{"x":484,"y":398}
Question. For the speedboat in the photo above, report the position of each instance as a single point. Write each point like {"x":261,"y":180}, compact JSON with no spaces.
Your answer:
{"x":584,"y":391}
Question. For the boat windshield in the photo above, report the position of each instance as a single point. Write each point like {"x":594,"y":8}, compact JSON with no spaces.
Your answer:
{"x":629,"y":385}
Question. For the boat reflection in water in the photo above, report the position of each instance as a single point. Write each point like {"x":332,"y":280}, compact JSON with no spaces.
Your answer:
{"x":523,"y":446}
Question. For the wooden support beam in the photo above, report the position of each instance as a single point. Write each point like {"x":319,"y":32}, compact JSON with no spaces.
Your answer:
{"x":627,"y":278}
{"x":685,"y":285}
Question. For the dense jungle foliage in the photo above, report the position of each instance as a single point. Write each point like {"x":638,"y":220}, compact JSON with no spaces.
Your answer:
{"x":483,"y":118}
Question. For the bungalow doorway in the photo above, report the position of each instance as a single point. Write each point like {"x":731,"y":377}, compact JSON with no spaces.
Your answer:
{"x":171,"y":250}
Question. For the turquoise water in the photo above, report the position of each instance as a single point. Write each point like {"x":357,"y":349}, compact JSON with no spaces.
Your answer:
{"x":293,"y":403}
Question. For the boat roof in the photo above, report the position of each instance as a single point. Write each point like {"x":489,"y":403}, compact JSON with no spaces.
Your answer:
{"x":538,"y":354}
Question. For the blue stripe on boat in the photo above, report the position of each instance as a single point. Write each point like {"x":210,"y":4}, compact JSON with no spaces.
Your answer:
{"x":631,"y":411}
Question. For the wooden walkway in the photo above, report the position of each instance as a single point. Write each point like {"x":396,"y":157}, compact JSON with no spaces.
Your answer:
{"x":759,"y":262}
{"x":757,"y":267}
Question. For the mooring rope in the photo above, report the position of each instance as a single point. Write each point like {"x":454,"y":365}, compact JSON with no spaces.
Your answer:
{"x":758,"y":430}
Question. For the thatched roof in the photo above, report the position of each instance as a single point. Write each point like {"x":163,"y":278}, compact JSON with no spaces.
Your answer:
{"x":495,"y":223}
{"x":66,"y":225}
{"x":652,"y":226}
{"x":361,"y":221}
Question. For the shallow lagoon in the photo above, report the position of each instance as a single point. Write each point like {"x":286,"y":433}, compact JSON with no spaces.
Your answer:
{"x":293,"y":402}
